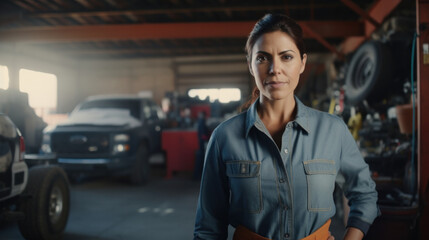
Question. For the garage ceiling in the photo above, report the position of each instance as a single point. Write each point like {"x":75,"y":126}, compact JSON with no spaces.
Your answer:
{"x":100,"y":29}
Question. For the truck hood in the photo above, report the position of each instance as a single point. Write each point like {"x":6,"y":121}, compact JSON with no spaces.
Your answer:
{"x":101,"y":117}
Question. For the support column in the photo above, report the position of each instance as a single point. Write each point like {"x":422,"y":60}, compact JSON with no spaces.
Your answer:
{"x":422,"y":9}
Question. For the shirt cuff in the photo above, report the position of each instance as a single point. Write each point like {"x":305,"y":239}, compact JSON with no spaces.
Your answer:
{"x":359,"y":224}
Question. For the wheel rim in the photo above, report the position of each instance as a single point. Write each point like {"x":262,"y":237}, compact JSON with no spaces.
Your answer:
{"x":55,"y":204}
{"x":363,"y":73}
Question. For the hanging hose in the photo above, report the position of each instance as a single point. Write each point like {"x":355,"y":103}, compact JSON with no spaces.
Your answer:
{"x":413,"y":137}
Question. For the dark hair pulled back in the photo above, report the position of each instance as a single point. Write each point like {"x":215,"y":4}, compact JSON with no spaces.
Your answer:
{"x":276,"y":22}
{"x":271,"y":23}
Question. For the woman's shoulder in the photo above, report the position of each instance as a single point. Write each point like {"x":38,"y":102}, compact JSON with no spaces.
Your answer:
{"x":231,"y":124}
{"x":324,"y":117}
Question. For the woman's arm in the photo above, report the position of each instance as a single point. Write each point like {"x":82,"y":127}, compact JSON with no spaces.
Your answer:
{"x":359,"y":188}
{"x":353,"y":234}
{"x":213,"y":203}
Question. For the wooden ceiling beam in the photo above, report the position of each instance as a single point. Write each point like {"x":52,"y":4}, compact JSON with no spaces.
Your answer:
{"x":84,"y":3}
{"x":176,"y":10}
{"x":148,"y":51}
{"x":326,"y":29}
{"x":25,"y":6}
{"x":36,"y":5}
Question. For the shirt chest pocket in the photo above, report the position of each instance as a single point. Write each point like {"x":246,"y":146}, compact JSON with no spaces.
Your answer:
{"x":320,"y":175}
{"x":245,"y":184}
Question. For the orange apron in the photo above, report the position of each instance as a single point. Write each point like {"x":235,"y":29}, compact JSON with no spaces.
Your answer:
{"x":242,"y":233}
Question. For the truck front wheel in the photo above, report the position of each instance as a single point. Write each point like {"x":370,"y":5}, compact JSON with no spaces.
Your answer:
{"x":141,"y":167}
{"x":46,"y":204}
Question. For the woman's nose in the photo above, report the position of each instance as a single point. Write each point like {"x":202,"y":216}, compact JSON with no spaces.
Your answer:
{"x":274,"y":67}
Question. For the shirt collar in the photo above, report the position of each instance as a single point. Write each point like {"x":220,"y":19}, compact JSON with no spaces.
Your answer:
{"x":302,"y":116}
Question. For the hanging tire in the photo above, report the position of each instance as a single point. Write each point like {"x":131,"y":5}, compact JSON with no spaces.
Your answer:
{"x":368,"y":73}
{"x":48,"y":204}
{"x":141,"y":168}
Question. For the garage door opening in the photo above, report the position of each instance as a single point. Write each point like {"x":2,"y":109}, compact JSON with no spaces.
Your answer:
{"x":42,"y":90}
{"x":223,"y":95}
{"x":4,"y":77}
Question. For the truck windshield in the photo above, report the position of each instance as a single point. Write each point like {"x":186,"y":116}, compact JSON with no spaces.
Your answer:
{"x":131,"y":105}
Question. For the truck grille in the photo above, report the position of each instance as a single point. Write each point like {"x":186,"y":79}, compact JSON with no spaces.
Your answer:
{"x":80,"y":143}
{"x":6,"y":159}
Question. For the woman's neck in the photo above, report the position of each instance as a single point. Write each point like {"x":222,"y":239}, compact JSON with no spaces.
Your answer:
{"x":277,"y":112}
{"x":275,"y":115}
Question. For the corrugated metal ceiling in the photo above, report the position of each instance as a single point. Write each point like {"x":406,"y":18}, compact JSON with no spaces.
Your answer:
{"x":152,"y":28}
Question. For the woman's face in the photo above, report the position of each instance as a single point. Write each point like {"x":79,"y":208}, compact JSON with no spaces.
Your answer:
{"x":276,"y":65}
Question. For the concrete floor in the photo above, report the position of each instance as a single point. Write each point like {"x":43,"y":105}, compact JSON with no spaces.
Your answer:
{"x":111,"y":209}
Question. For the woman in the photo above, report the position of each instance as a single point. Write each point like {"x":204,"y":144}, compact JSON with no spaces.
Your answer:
{"x":270,"y":171}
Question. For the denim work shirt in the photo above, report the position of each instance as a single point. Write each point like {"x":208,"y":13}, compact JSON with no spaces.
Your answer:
{"x":284,"y":193}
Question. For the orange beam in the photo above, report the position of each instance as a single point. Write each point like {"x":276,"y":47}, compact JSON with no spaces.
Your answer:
{"x":326,"y":29}
{"x":177,"y":10}
{"x":424,"y":9}
{"x":378,"y":12}
{"x":361,"y":12}
{"x":320,"y":39}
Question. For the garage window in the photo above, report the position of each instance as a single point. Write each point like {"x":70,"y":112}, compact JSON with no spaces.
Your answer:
{"x":41,"y":88}
{"x":4,"y":77}
{"x":223,"y":95}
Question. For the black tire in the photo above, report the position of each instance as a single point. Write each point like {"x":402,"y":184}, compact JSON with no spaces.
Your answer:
{"x":370,"y":69}
{"x":141,"y":168}
{"x":48,"y":206}
{"x":409,"y":180}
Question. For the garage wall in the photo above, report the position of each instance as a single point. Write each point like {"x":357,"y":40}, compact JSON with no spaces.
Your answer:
{"x":213,"y":72}
{"x":160,"y":75}
{"x":80,"y":79}
{"x":125,"y":77}
{"x":16,"y":56}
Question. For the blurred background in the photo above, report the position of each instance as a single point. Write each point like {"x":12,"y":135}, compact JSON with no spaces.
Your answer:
{"x":70,"y":69}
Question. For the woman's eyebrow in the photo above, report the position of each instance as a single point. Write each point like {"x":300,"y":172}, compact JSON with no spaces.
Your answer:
{"x":280,"y":53}
{"x":285,"y":51}
{"x":263,"y":52}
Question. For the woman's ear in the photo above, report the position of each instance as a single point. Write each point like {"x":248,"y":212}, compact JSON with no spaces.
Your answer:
{"x":250,"y":66}
{"x":304,"y":60}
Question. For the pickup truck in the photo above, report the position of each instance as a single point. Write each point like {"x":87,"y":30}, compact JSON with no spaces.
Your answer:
{"x":37,"y":197}
{"x":108,"y":135}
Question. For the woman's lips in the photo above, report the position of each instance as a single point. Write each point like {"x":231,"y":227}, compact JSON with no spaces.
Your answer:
{"x":275,"y":84}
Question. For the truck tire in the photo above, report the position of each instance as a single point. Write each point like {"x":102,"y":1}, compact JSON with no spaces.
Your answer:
{"x":48,"y":204}
{"x":370,"y":69}
{"x":141,"y":168}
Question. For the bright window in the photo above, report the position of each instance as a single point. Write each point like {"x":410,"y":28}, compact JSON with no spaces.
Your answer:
{"x":224,"y":95}
{"x":4,"y":77}
{"x":41,"y":88}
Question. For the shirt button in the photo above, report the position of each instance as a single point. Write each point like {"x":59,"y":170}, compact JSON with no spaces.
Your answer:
{"x":243,"y":168}
{"x":286,"y":151}
{"x":287,"y":235}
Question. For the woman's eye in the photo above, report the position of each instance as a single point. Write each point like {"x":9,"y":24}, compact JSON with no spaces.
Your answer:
{"x":287,"y":57}
{"x":261,"y":58}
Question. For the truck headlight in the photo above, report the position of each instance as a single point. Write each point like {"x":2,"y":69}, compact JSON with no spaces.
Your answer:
{"x":46,"y":148}
{"x":121,"y":138}
{"x":118,"y":148}
{"x":46,"y":143}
